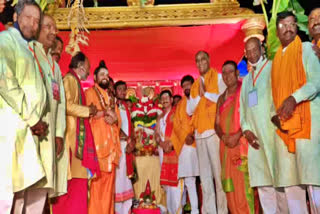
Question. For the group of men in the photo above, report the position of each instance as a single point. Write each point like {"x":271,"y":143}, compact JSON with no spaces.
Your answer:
{"x":57,"y":136}
{"x":74,"y":146}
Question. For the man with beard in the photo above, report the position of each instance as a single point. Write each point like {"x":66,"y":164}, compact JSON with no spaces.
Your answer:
{"x":314,"y":29}
{"x":57,"y":49}
{"x":53,"y":153}
{"x":105,"y":128}
{"x":183,"y":137}
{"x":202,"y":106}
{"x":78,"y":139}
{"x":295,"y":84}
{"x":124,"y":190}
{"x":22,"y":103}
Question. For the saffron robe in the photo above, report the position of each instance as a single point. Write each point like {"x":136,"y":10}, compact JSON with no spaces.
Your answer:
{"x":107,"y":142}
{"x":234,"y":161}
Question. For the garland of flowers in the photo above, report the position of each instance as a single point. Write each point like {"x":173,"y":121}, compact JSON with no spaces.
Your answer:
{"x":144,"y":117}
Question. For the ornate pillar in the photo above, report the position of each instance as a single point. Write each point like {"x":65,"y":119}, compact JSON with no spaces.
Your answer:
{"x":253,"y":27}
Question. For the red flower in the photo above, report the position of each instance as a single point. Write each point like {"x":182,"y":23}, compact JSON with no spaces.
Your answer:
{"x":144,"y":135}
{"x":151,"y":137}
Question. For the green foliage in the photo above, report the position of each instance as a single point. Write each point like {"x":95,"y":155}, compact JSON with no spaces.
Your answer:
{"x":133,"y":99}
{"x":278,"y":6}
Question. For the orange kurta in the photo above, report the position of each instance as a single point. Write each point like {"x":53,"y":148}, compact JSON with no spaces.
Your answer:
{"x":107,"y":142}
{"x":204,"y":115}
{"x":181,"y":126}
{"x":287,"y":76}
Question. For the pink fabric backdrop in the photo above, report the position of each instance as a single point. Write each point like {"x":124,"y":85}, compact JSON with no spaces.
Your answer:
{"x":162,"y":53}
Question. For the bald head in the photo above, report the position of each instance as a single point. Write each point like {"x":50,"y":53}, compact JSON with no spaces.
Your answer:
{"x":203,"y":62}
{"x":314,"y":24}
{"x":202,"y":53}
{"x":253,"y":50}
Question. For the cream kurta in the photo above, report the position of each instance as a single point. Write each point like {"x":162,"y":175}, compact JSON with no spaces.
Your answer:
{"x":74,"y":110}
{"x":307,"y":156}
{"x":22,"y":102}
{"x":257,"y":119}
{"x":55,"y":116}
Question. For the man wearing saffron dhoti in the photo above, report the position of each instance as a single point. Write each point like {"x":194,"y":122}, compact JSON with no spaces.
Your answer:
{"x":105,"y":129}
{"x":22,"y":103}
{"x":79,"y":142}
{"x":295,"y":85}
{"x":202,"y":107}
{"x":124,"y":190}
{"x":233,"y":146}
{"x":183,"y":138}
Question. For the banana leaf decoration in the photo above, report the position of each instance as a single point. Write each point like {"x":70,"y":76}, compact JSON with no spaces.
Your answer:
{"x":278,"y":6}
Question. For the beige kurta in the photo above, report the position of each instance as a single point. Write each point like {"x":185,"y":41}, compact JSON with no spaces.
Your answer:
{"x":74,"y":110}
{"x":55,"y":116}
{"x":22,"y":102}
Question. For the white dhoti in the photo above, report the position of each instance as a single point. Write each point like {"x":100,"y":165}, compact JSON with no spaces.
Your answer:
{"x":208,"y":150}
{"x":174,"y":198}
{"x":284,"y":200}
{"x":188,"y":170}
{"x":188,"y":162}
{"x":30,"y":201}
{"x":314,"y":197}
{"x":124,"y":190}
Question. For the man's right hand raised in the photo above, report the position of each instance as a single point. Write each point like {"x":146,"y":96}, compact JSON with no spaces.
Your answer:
{"x":40,"y":129}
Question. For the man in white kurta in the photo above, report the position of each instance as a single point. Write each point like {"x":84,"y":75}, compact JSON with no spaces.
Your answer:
{"x":22,"y":102}
{"x":256,"y":124}
{"x":304,"y":170}
{"x":208,"y":144}
{"x":124,"y":189}
{"x":52,"y":150}
{"x":183,"y":136}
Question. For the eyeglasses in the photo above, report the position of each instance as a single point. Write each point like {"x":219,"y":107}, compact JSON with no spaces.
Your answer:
{"x":287,"y":25}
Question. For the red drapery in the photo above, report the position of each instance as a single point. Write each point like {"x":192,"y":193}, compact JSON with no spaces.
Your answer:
{"x":162,"y":53}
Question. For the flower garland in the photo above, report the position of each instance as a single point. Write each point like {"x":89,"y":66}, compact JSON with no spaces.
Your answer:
{"x":144,"y":117}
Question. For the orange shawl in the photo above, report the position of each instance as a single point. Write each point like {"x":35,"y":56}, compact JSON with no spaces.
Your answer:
{"x":106,"y":137}
{"x":318,"y":43}
{"x":205,"y":113}
{"x":181,"y":126}
{"x":288,"y":75}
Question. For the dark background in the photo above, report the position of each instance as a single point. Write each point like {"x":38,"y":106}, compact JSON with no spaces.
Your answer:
{"x":308,"y":5}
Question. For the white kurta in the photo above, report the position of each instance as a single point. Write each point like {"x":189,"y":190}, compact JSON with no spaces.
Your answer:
{"x":307,"y":156}
{"x":188,"y":162}
{"x":257,"y":119}
{"x":55,"y":116}
{"x":124,"y":189}
{"x":22,"y":102}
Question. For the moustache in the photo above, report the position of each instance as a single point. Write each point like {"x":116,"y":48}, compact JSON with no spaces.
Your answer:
{"x":315,"y":25}
{"x":289,"y":31}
